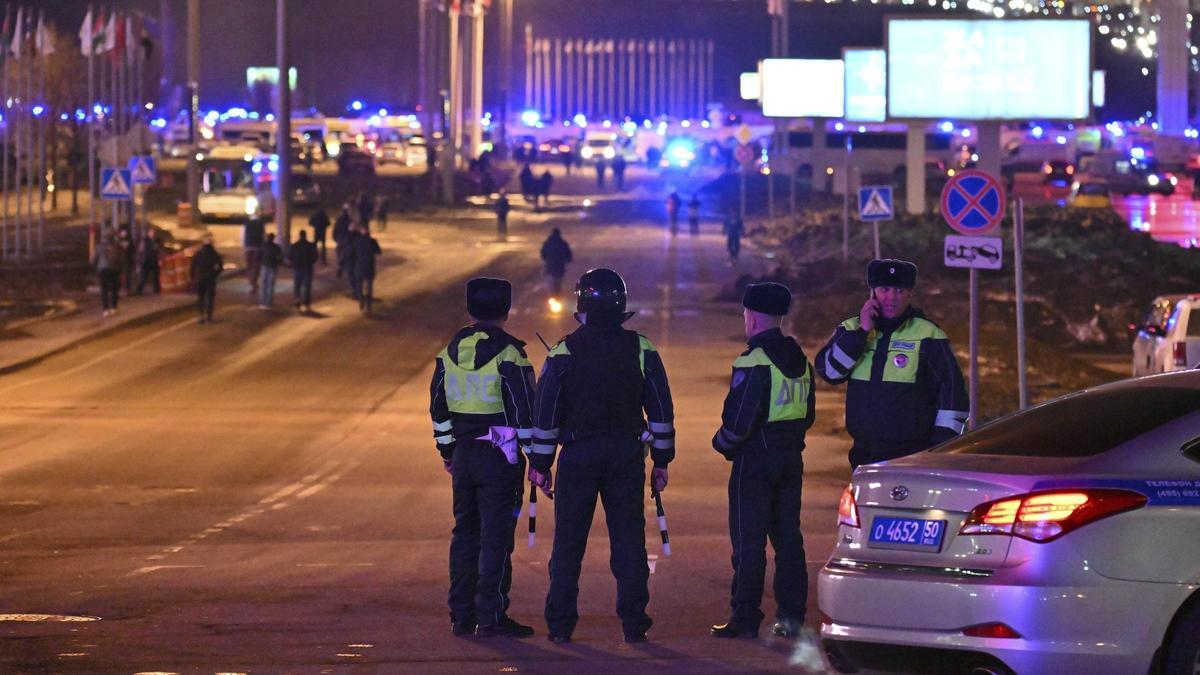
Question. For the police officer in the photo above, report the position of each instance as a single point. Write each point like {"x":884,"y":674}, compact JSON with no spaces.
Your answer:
{"x":768,"y":409}
{"x":906,"y":390}
{"x":480,"y":404}
{"x":594,"y":388}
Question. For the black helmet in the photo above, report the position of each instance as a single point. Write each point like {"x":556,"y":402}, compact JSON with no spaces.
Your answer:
{"x":600,"y":291}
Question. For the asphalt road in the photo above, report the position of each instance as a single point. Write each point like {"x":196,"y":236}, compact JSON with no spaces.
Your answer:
{"x":263,"y":494}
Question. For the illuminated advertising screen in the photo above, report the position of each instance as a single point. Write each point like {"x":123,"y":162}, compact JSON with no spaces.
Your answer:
{"x":802,"y":88}
{"x":751,"y":86}
{"x":866,"y":85}
{"x":989,"y":69}
{"x":268,"y":75}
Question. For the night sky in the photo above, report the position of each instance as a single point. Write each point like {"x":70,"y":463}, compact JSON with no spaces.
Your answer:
{"x":346,"y":49}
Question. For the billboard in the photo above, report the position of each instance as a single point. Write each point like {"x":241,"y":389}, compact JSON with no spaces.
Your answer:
{"x":802,"y":87}
{"x":750,"y":86}
{"x":866,"y":84}
{"x":268,"y":75}
{"x":989,"y":69}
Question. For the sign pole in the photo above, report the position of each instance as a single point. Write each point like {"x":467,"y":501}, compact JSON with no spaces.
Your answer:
{"x":1018,"y":257}
{"x":742,"y":202}
{"x":974,"y":391}
{"x":846,"y":201}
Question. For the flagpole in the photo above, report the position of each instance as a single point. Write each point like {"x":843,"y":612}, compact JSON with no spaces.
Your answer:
{"x":90,"y":119}
{"x":20,"y":108}
{"x":4,"y":193}
{"x":114,"y":91}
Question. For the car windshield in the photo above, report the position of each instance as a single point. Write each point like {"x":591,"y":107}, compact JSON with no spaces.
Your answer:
{"x":1094,"y":189}
{"x":1082,"y":425}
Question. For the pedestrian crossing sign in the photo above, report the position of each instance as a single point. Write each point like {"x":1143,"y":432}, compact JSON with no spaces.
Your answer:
{"x":875,"y":203}
{"x":115,"y":184}
{"x":142,"y":170}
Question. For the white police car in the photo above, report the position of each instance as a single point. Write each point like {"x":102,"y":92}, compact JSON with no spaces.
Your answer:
{"x":1061,"y":539}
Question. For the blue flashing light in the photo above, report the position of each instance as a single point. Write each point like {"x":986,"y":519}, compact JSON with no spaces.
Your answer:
{"x":256,"y":167}
{"x":839,"y":126}
{"x":607,"y":124}
{"x":580,"y":120}
{"x":966,"y":133}
{"x":947,"y":127}
{"x":566,"y":123}
{"x":38,"y":110}
{"x":530,"y":118}
{"x":356,"y":105}
{"x":159,"y":123}
{"x":383,"y":112}
{"x":1061,"y":140}
{"x":64,"y":117}
{"x":80,"y":114}
{"x":1137,"y":152}
{"x":1036,"y":132}
{"x":253,"y":115}
{"x":237,"y":112}
{"x":705,"y":124}
{"x":685,"y":124}
{"x":647,"y":124}
{"x":270,"y":117}
{"x":374,"y":120}
{"x":273,"y":166}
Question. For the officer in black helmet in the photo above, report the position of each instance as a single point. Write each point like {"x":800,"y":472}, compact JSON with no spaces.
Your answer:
{"x":481,"y":395}
{"x":768,"y":409}
{"x":603,"y":390}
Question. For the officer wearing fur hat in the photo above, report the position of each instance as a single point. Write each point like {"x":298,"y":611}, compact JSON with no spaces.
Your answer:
{"x":768,"y":409}
{"x":906,"y":390}
{"x":481,"y":402}
{"x":602,"y":394}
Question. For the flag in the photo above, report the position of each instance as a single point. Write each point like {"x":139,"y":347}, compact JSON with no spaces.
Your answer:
{"x":131,"y":38}
{"x":108,"y":37}
{"x":45,"y":46}
{"x":85,"y":35}
{"x":146,"y":36}
{"x":117,"y":38}
{"x":18,"y":33}
{"x":99,"y":33}
{"x":775,"y":7}
{"x":7,"y":36}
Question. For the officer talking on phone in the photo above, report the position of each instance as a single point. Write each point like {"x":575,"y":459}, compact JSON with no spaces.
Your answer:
{"x":906,"y":390}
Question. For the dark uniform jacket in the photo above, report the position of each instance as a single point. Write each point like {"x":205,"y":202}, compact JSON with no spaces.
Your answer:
{"x":906,"y":390}
{"x":600,"y":381}
{"x":206,"y":264}
{"x":482,"y":379}
{"x":770,"y":404}
{"x":363,"y":249}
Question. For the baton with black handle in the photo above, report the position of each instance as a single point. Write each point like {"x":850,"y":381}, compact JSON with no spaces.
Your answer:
{"x":662,"y":521}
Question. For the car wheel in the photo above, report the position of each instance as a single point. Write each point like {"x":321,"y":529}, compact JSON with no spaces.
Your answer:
{"x":1182,"y":648}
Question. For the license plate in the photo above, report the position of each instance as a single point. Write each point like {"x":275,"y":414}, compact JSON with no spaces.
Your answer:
{"x":907,"y":533}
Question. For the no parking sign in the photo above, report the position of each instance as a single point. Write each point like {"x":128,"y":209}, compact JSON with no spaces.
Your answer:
{"x":973,"y":202}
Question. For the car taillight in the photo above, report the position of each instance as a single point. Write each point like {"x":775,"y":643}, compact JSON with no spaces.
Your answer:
{"x":847,"y":509}
{"x":1180,"y":351}
{"x":1045,"y":516}
{"x":991,"y":630}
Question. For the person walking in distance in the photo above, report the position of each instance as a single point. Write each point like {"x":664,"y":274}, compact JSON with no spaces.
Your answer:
{"x":366,"y":208}
{"x":556,"y":255}
{"x":381,"y":212}
{"x":602,"y":391}
{"x":148,"y":271}
{"x":319,"y":221}
{"x":768,"y":409}
{"x":341,"y":238}
{"x":480,"y":404}
{"x":694,"y":215}
{"x":601,"y":169}
{"x":502,"y":208}
{"x":271,"y":257}
{"x":303,"y":257}
{"x":733,"y":237}
{"x":107,"y":263}
{"x":618,"y":167}
{"x":674,"y":202}
{"x":206,"y":270}
{"x":364,"y":251}
{"x":128,"y":256}
{"x":253,"y":235}
{"x":544,"y":184}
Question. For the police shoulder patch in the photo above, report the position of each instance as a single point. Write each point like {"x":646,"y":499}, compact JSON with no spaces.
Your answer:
{"x":739,"y":376}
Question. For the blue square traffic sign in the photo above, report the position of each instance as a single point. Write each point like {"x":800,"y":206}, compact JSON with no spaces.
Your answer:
{"x":875,"y":203}
{"x":116,"y":184}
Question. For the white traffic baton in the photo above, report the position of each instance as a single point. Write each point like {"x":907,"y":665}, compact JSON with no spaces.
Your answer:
{"x":662,"y":522}
{"x":532,"y":514}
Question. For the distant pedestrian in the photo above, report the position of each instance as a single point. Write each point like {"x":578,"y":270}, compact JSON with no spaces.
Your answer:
{"x":272,"y":255}
{"x":148,"y":254}
{"x":733,"y":236}
{"x":127,"y":247}
{"x":618,"y":168}
{"x":206,"y":269}
{"x":601,"y":168}
{"x":366,"y":249}
{"x":341,"y":238}
{"x":528,"y":186}
{"x":320,"y":225}
{"x":568,"y":159}
{"x":694,"y":215}
{"x":381,"y":212}
{"x":502,"y":209}
{"x":674,"y":202}
{"x":303,"y":257}
{"x":544,"y":183}
{"x":366,"y":208}
{"x":107,"y":263}
{"x":253,"y":232}
{"x":556,"y":254}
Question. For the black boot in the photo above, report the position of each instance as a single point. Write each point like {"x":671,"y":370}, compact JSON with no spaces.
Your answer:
{"x":507,"y":628}
{"x":731,"y":629}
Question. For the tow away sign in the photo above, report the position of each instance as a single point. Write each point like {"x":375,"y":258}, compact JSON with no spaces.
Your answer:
{"x":984,"y":253}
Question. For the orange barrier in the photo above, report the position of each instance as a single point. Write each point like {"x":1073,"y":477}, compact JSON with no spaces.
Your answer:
{"x":175,"y":271}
